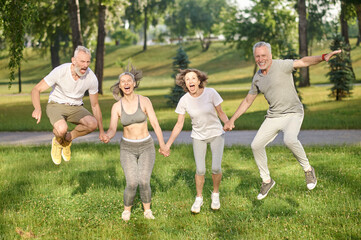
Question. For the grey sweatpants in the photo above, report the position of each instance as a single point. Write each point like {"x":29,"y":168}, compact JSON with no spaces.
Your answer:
{"x":137,"y":160}
{"x":290,"y":124}
{"x":200,"y":149}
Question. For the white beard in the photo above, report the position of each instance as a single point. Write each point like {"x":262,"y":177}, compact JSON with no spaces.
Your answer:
{"x":77,"y":71}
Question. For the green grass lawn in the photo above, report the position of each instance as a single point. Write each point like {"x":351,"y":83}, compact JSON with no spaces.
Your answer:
{"x":229,"y":73}
{"x":82,"y":199}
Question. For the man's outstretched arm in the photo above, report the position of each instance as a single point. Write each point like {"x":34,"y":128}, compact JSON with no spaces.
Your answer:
{"x":312,"y":60}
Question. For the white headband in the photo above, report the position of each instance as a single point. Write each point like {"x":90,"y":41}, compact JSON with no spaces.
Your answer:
{"x":127,"y":73}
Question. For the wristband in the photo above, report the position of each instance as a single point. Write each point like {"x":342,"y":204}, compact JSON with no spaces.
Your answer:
{"x":323,"y":56}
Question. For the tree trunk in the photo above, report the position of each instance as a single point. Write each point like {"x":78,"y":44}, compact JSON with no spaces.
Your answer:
{"x":54,"y":51}
{"x":344,"y":33}
{"x":145,"y":27}
{"x":303,"y":49}
{"x":99,"y":57}
{"x":255,"y":68}
{"x":19,"y":72}
{"x":358,"y":12}
{"x":344,"y":26}
{"x":74,"y":13}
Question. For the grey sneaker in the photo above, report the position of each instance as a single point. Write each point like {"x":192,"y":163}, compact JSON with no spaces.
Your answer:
{"x":265,"y":189}
{"x":311,"y":179}
{"x":196,"y":207}
{"x":216,"y":204}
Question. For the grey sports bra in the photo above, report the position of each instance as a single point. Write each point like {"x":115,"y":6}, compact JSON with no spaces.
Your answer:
{"x":138,"y":117}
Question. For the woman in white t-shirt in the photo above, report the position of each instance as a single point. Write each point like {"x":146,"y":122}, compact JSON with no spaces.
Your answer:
{"x":202,"y":104}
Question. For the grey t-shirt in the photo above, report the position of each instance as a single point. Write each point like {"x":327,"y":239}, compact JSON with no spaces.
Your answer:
{"x":278,"y":89}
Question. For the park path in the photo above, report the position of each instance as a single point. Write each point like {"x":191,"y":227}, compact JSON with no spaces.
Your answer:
{"x":307,"y":137}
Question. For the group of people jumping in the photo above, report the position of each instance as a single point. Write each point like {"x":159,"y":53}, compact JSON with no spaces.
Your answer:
{"x":274,"y":79}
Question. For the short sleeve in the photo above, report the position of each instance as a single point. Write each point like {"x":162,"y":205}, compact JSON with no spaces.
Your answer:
{"x":216,"y":98}
{"x":254,"y":89}
{"x":287,"y":65}
{"x":53,"y":76}
{"x":93,"y":88}
{"x":181,"y":106}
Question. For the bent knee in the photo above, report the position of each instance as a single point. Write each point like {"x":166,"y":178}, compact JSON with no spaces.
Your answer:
{"x":61,"y":128}
{"x":201,"y":172}
{"x":216,"y":170}
{"x":290,"y":141}
{"x":132,"y":185}
{"x":256,"y":146}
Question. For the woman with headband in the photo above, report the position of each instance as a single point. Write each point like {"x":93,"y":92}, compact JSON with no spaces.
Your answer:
{"x":137,"y":153}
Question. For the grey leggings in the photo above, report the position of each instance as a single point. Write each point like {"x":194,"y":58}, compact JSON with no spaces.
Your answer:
{"x":200,"y":149}
{"x":137,"y":160}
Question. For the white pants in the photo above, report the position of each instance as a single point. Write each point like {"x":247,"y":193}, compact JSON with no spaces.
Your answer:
{"x":290,"y":124}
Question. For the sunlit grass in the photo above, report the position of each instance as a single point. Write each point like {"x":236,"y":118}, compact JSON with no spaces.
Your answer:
{"x":228,"y":73}
{"x":82,"y":199}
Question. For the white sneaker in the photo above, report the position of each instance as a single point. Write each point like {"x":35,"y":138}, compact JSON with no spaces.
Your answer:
{"x":148,"y":214}
{"x":126,"y":215}
{"x":216,"y":204}
{"x":196,"y":207}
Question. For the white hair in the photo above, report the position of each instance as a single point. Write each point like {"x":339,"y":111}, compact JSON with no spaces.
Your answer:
{"x":81,"y":49}
{"x":262,"y":44}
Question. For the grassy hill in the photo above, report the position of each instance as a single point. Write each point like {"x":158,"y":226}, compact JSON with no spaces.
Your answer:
{"x":229,"y":73}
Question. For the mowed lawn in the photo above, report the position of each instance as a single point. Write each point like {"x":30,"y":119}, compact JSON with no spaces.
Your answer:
{"x":82,"y":199}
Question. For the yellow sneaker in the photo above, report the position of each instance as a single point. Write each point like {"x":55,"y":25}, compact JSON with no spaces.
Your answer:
{"x":56,"y":151}
{"x":66,"y":152}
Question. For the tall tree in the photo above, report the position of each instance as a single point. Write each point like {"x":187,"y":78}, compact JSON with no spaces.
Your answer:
{"x":341,"y":74}
{"x":180,"y":62}
{"x":74,"y":13}
{"x":15,"y":17}
{"x":358,"y":13}
{"x":196,"y":17}
{"x":145,"y":12}
{"x":99,"y":61}
{"x":51,"y":30}
{"x":267,"y":20}
{"x":302,"y":38}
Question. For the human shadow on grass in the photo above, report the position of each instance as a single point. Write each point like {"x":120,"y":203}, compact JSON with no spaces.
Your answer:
{"x":183,"y":174}
{"x":335,"y":176}
{"x":14,"y":193}
{"x":96,"y":178}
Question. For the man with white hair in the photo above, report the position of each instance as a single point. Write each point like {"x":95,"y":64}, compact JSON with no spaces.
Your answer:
{"x":69,"y":83}
{"x":274,"y":79}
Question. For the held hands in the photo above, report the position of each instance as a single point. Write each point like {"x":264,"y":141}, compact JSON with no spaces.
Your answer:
{"x":104,"y":138}
{"x":165,"y":151}
{"x":228,"y":126}
{"x":37,"y":115}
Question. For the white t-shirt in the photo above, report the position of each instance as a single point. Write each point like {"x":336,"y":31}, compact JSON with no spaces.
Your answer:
{"x":201,"y":109}
{"x":66,"y":89}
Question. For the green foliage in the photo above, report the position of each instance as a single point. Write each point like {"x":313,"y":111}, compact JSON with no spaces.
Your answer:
{"x":180,"y":62}
{"x":15,"y":18}
{"x":82,"y":199}
{"x":124,"y":37}
{"x":196,"y":17}
{"x":317,"y":25}
{"x":269,"y":21}
{"x":340,"y":74}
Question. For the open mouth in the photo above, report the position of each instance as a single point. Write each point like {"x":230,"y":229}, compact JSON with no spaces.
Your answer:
{"x":192,"y":87}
